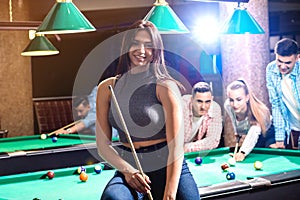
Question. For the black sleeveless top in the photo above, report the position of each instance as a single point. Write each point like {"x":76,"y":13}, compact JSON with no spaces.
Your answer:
{"x":141,"y":110}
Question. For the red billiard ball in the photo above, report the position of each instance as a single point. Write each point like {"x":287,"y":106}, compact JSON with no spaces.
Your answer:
{"x":83,"y":177}
{"x":50,"y":174}
{"x":230,"y":176}
{"x":198,"y":160}
{"x":225,"y":166}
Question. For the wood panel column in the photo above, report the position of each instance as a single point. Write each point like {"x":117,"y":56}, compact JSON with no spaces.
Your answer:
{"x":16,"y":109}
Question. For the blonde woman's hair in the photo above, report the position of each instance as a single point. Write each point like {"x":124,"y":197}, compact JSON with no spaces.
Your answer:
{"x":257,"y":112}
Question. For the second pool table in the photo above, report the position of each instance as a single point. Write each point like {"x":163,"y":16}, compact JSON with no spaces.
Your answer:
{"x":31,"y":153}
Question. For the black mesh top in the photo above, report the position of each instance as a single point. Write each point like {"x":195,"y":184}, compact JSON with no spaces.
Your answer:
{"x":142,"y":111}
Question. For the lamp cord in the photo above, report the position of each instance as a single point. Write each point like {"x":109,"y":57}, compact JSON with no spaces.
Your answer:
{"x":10,"y":11}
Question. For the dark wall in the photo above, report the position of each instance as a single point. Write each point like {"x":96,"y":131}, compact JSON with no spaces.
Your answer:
{"x":55,"y":75}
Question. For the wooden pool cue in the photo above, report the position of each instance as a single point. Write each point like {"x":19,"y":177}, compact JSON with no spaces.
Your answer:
{"x":136,"y":159}
{"x":236,"y":145}
{"x":67,"y":126}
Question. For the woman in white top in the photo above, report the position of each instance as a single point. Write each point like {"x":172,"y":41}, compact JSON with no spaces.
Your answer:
{"x":250,"y":118}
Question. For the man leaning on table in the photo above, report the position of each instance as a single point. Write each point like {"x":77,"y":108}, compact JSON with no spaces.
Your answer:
{"x":202,"y":119}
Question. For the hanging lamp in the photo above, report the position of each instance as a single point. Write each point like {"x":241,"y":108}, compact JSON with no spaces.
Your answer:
{"x":65,"y":17}
{"x":165,"y":19}
{"x":241,"y":22}
{"x":39,"y":46}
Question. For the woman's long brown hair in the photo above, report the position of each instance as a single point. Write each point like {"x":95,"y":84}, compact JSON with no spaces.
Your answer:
{"x":257,"y":111}
{"x":158,"y":62}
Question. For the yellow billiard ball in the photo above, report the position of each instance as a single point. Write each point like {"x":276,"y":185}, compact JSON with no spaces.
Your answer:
{"x":258,"y":165}
{"x":81,"y":169}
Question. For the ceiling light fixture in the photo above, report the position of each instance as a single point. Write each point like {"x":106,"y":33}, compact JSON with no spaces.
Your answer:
{"x":241,"y":22}
{"x":165,"y":19}
{"x":65,"y":17}
{"x":39,"y":46}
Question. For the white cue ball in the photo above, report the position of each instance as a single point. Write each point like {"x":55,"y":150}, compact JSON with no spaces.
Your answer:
{"x":43,"y":136}
{"x":231,"y":161}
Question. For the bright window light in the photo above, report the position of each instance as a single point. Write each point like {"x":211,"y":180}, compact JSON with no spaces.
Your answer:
{"x":206,"y":30}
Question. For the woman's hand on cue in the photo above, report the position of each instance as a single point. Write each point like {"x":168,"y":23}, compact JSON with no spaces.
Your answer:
{"x":137,"y":181}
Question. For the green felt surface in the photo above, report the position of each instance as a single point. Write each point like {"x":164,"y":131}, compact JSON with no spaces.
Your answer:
{"x":34,"y":142}
{"x":66,"y":185}
{"x":274,"y":161}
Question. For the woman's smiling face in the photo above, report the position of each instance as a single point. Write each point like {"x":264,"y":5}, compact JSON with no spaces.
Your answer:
{"x":140,"y":52}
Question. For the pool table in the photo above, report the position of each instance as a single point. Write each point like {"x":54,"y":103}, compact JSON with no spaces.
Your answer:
{"x":65,"y":185}
{"x":34,"y":142}
{"x":31,"y":153}
{"x":278,"y":179}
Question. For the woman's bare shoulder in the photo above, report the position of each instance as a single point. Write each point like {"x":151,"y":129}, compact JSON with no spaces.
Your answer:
{"x":167,"y":84}
{"x":167,"y":88}
{"x":106,"y":82}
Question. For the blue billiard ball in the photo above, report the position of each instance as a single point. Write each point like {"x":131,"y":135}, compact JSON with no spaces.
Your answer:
{"x":98,"y":169}
{"x":230,"y":176}
{"x":198,"y":160}
{"x":54,"y":139}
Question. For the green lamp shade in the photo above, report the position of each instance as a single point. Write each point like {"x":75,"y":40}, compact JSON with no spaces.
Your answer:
{"x":242,"y":22}
{"x":165,"y":20}
{"x":40,"y":46}
{"x":65,"y":17}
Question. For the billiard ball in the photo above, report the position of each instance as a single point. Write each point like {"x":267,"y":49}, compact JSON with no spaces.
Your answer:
{"x":230,"y":176}
{"x":231,"y":161}
{"x":225,"y":166}
{"x":83,"y":177}
{"x":258,"y":165}
{"x":198,"y":160}
{"x":54,"y":139}
{"x":81,"y":169}
{"x":43,"y":136}
{"x":50,"y":174}
{"x":98,"y":169}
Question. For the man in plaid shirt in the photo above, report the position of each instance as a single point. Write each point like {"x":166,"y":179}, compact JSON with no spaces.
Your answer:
{"x":283,"y":83}
{"x":202,"y":119}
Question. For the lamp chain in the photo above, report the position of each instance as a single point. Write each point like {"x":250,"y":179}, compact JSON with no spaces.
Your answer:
{"x":161,"y":3}
{"x":10,"y":11}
